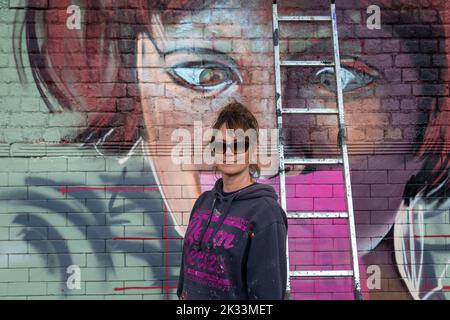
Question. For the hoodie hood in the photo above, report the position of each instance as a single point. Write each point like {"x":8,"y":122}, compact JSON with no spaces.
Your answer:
{"x":256,"y":190}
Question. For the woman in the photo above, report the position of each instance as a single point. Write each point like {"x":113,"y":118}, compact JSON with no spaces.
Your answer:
{"x":235,"y":244}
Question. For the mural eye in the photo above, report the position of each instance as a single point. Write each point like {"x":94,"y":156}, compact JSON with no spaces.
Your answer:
{"x":203,"y":76}
{"x":352,"y":79}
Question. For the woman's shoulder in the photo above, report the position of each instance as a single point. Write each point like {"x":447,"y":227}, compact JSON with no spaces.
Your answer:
{"x":205,"y":194}
{"x":271,"y":213}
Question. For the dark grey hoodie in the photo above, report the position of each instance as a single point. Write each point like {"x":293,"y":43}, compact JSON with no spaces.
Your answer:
{"x":242,"y":254}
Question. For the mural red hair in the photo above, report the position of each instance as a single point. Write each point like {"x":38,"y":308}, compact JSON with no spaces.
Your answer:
{"x":93,"y":70}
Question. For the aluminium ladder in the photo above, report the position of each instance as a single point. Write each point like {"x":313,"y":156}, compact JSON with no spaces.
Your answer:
{"x":342,"y":160}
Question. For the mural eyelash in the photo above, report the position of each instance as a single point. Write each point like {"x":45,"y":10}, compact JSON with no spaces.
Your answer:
{"x":352,"y":79}
{"x":204,"y":75}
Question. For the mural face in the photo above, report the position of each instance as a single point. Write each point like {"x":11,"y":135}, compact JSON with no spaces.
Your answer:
{"x":122,"y":83}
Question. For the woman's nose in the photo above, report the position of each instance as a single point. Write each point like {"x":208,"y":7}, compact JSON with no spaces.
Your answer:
{"x":229,"y":154}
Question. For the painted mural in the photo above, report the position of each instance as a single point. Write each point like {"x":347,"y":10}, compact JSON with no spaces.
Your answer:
{"x":92,"y":205}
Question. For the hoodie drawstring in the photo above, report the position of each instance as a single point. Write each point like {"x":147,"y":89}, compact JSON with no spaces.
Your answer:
{"x":217,"y":194}
{"x":197,"y":243}
{"x":209,"y":244}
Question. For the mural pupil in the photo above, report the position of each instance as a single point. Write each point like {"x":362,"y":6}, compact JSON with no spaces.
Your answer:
{"x":210,"y":77}
{"x":326,"y":78}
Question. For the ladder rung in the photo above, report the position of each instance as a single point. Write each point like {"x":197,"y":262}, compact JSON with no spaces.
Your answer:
{"x":311,"y":161}
{"x":316,"y":215}
{"x":306,"y":63}
{"x":304,"y":18}
{"x":323,"y":273}
{"x":311,"y":110}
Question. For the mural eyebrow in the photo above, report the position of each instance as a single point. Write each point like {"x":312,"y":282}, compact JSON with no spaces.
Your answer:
{"x":208,"y":51}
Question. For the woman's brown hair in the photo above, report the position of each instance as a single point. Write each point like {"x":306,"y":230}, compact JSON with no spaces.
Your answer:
{"x":237,"y":116}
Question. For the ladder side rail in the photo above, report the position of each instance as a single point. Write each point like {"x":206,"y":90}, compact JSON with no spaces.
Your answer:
{"x":278,"y":99}
{"x":344,"y":154}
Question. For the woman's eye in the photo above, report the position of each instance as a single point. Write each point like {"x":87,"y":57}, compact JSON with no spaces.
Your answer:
{"x":351,"y":79}
{"x":203,"y":76}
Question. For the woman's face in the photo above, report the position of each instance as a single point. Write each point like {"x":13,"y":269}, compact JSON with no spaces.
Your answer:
{"x":231,"y":163}
{"x":215,"y":55}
